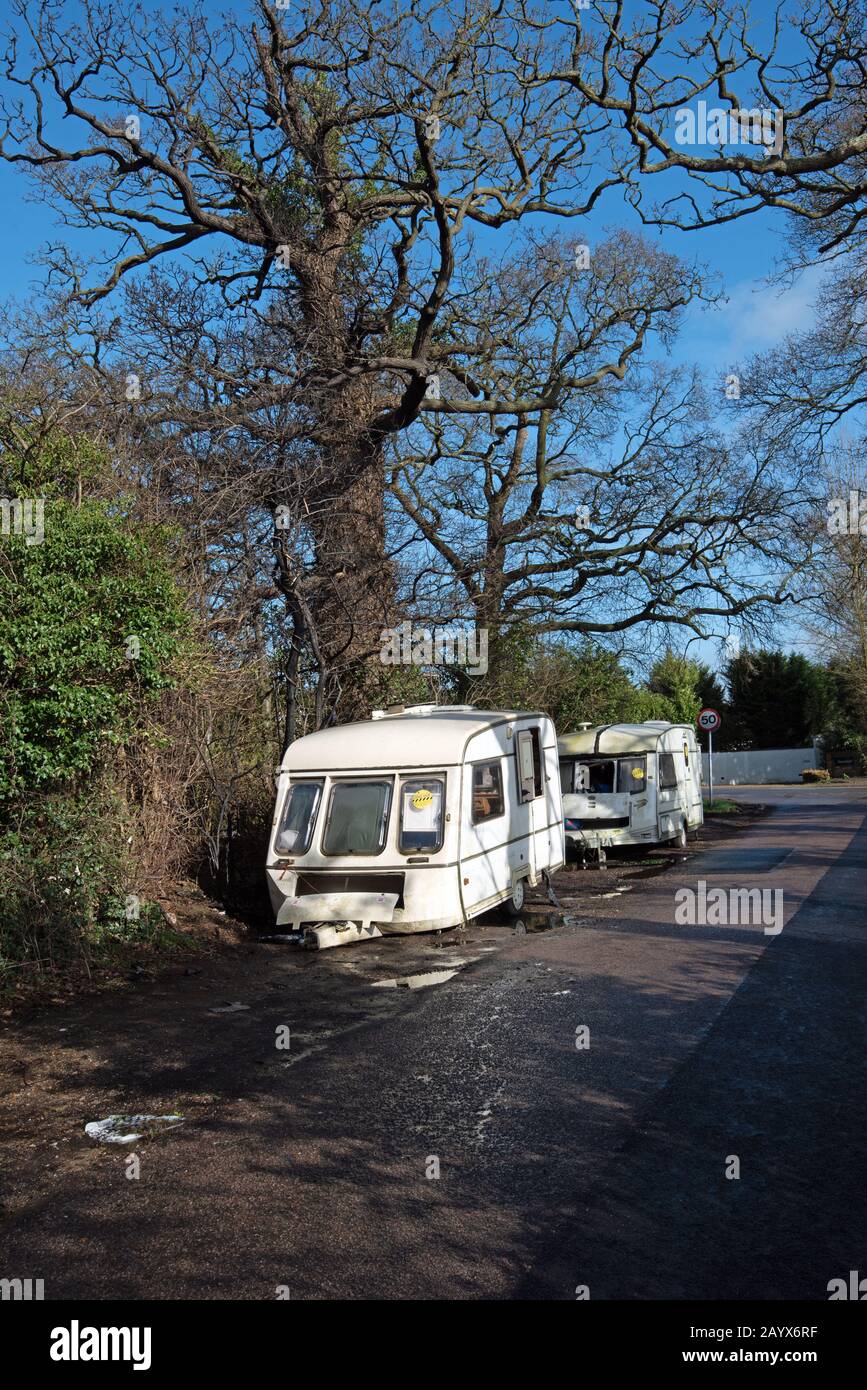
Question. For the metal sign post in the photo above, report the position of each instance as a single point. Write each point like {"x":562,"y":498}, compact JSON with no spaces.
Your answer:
{"x":709,"y":720}
{"x":710,"y":762}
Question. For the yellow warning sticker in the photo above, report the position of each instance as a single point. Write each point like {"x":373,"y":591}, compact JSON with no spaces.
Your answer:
{"x":422,"y":799}
{"x":638,"y":773}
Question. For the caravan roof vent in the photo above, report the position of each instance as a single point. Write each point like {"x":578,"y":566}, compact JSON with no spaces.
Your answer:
{"x":421,"y":709}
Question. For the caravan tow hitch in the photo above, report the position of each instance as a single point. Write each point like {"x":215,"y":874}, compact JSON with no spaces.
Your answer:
{"x":549,"y":889}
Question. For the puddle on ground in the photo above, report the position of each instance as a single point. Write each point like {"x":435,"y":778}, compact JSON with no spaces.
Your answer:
{"x":539,"y":921}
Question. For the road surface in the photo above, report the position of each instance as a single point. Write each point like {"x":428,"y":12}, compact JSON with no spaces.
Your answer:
{"x":311,"y":1172}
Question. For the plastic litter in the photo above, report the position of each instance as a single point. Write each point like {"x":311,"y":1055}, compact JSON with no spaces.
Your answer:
{"x":126,"y":1129}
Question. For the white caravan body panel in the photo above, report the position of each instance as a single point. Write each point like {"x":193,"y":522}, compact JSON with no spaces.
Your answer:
{"x":416,"y":820}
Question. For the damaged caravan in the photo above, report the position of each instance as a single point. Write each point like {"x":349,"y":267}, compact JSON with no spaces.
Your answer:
{"x":630,"y":784}
{"x":415,"y":820}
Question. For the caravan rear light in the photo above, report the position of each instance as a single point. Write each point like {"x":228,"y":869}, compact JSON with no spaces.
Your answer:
{"x":572,"y":824}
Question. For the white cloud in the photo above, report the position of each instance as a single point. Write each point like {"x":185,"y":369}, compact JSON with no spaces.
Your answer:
{"x":755,"y":318}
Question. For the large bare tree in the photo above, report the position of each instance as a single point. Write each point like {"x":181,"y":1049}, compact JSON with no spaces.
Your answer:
{"x":331,"y":168}
{"x":789,"y":80}
{"x":635,"y":506}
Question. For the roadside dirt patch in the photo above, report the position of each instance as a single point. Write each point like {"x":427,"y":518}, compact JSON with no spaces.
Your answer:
{"x":157,"y":1038}
{"x":194,"y":927}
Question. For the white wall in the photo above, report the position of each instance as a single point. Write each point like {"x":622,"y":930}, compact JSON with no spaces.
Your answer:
{"x":759,"y":765}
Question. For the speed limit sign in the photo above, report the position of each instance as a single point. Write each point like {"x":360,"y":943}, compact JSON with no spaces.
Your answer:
{"x":709,"y":720}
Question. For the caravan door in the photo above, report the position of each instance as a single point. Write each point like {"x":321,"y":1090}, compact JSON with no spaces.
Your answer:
{"x":528,"y":752}
{"x":669,"y":786}
{"x":692,"y":782}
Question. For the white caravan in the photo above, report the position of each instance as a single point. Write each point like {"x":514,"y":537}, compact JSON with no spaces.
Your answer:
{"x":630,"y":784}
{"x":415,"y":820}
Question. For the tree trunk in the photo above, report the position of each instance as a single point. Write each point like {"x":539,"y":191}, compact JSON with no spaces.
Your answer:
{"x":354,"y":592}
{"x":354,"y":584}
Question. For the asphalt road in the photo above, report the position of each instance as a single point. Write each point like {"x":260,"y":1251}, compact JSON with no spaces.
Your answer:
{"x":308,"y":1171}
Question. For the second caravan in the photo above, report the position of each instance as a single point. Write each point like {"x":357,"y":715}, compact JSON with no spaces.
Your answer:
{"x":630,"y":784}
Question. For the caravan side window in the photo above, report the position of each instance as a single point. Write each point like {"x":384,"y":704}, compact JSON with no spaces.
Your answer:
{"x":538,"y":762}
{"x":488,"y":800}
{"x":567,"y":775}
{"x":528,"y":754}
{"x":421,"y":815}
{"x":667,"y":770}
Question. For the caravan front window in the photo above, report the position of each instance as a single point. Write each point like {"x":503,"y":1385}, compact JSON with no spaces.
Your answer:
{"x":421,"y":815}
{"x":601,"y":776}
{"x":631,"y":774}
{"x":357,"y":817}
{"x":299,"y":816}
{"x":595,"y":775}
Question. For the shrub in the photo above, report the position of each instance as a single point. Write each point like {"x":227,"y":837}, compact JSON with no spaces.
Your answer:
{"x":92,"y":620}
{"x":62,"y":862}
{"x":68,"y":897}
{"x":815,"y":774}
{"x":94,"y":624}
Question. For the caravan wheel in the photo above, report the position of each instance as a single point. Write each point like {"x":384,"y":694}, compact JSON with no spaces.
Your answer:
{"x":515,"y":904}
